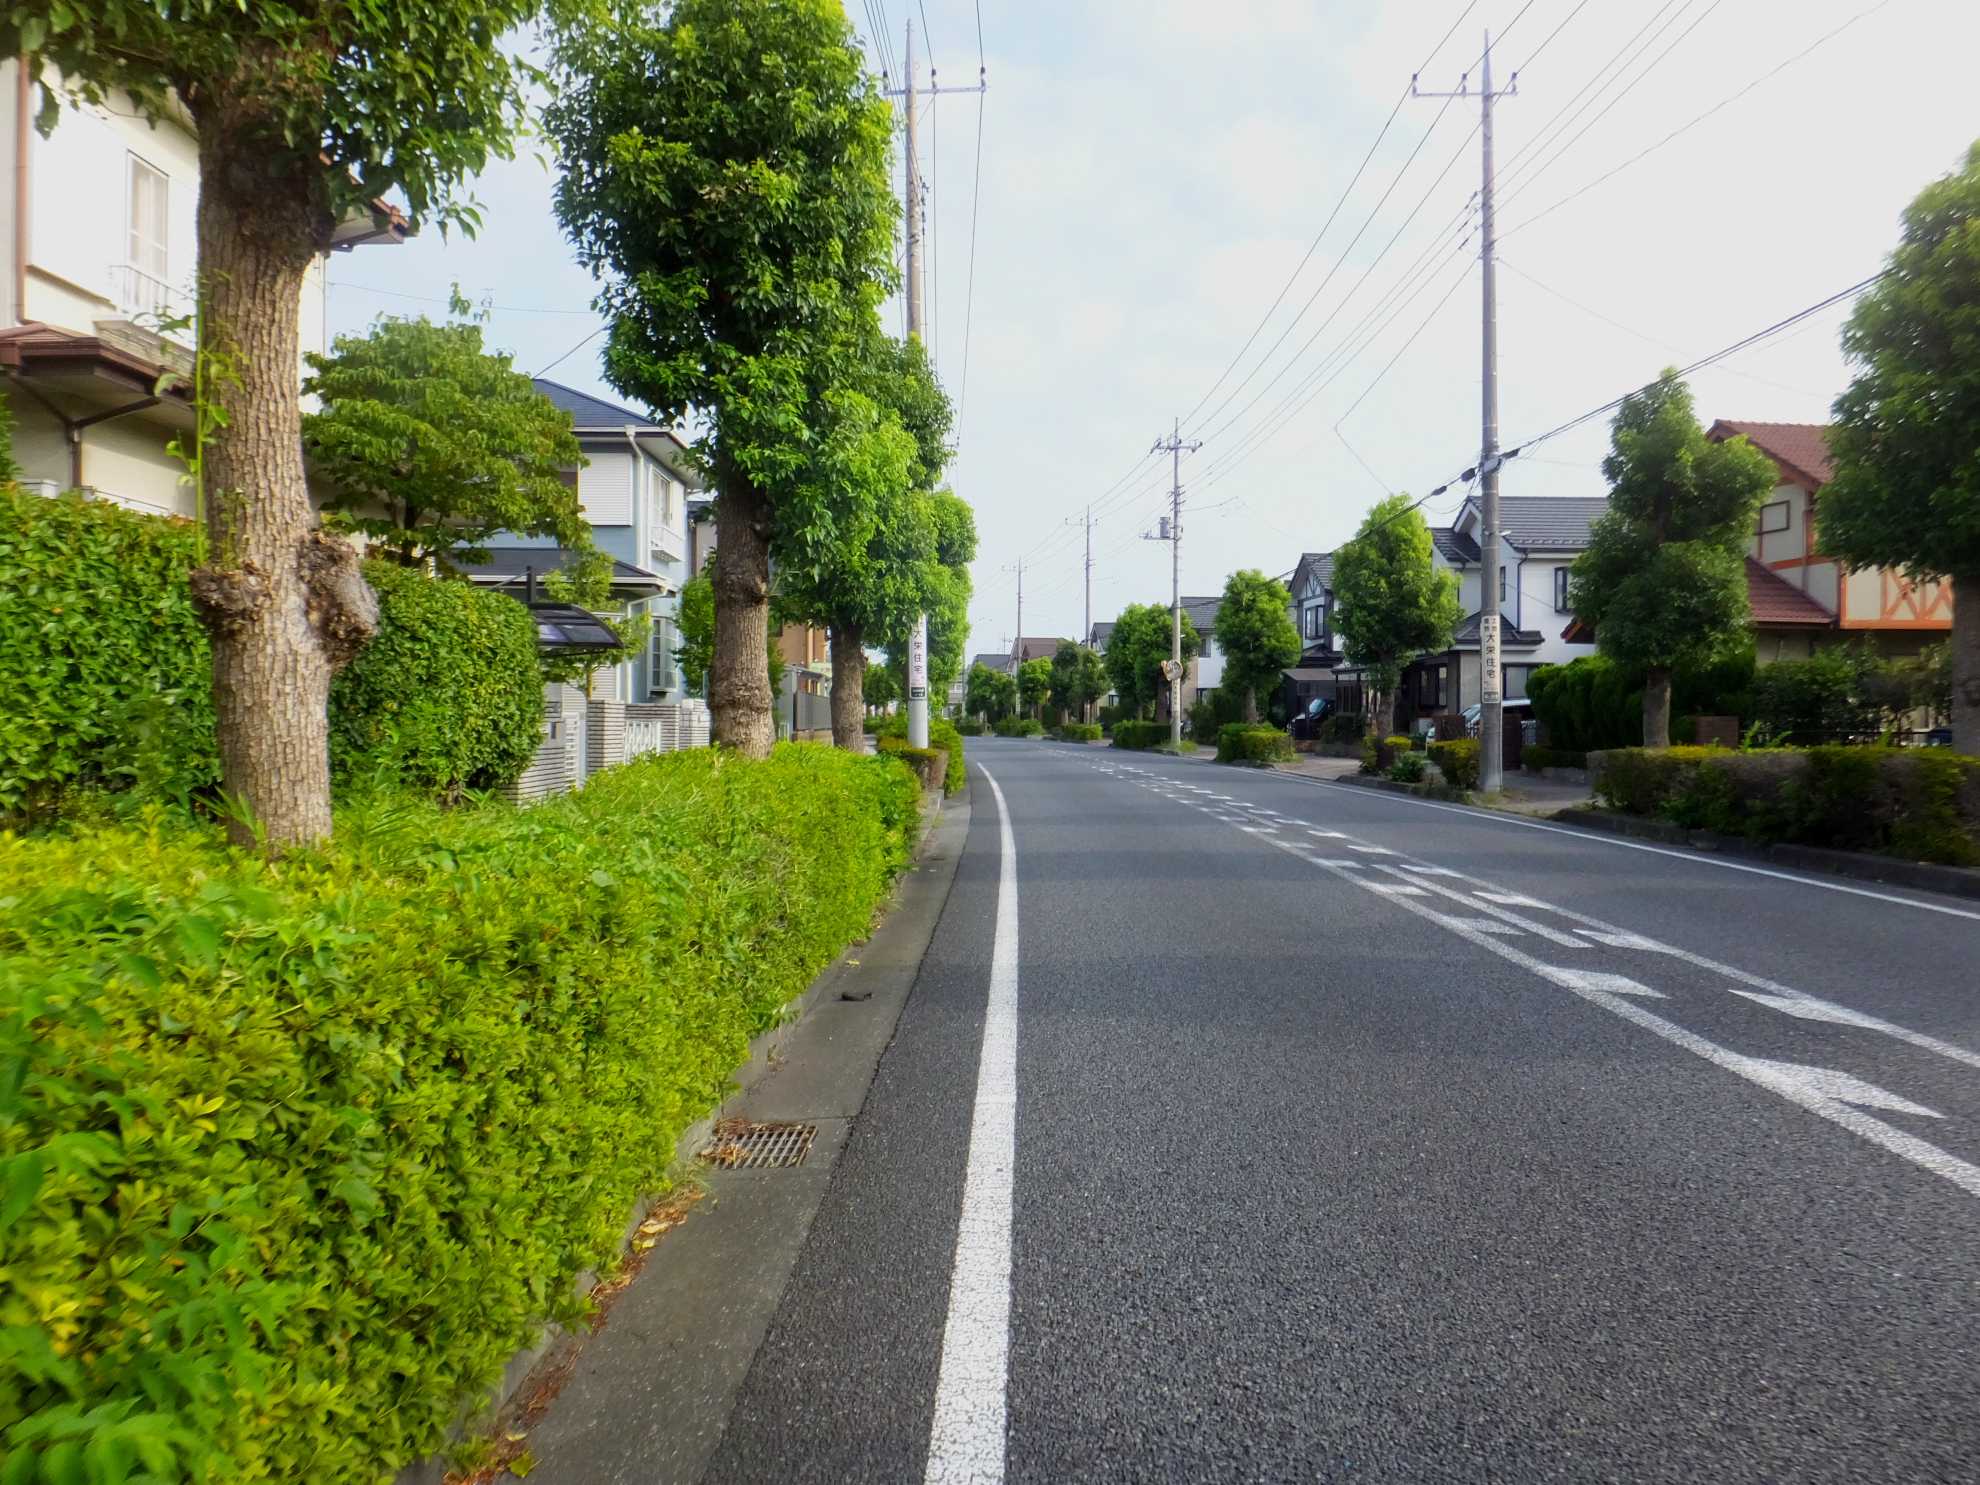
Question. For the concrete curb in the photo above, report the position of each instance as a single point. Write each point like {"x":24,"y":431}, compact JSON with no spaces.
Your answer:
{"x":559,"y":1348}
{"x":1954,"y":881}
{"x":1420,"y":791}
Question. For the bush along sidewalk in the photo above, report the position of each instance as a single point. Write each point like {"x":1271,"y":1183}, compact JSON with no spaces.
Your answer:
{"x":1140,"y":736}
{"x":297,"y":1154}
{"x":1077,"y":732}
{"x":943,"y":737}
{"x":1253,"y":743}
{"x":1921,"y":804}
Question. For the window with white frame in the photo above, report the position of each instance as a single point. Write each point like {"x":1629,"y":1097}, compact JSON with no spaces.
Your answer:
{"x":1773,"y":517}
{"x":1502,"y":585}
{"x":147,"y":258}
{"x":1560,"y":590}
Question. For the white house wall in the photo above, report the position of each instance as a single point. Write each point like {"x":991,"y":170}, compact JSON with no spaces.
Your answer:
{"x":605,"y":487}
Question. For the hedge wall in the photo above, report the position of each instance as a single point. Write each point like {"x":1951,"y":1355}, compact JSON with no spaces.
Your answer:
{"x":1251,"y":742}
{"x":1078,"y":732}
{"x":448,"y":697}
{"x":1140,"y":735}
{"x":1921,"y":803}
{"x":1020,"y":727}
{"x":296,"y":1155}
{"x":105,"y":675}
{"x":1458,"y":759}
{"x":942,"y":733}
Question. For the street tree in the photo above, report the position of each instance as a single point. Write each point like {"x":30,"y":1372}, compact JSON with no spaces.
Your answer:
{"x":726,"y":178}
{"x":304,"y":115}
{"x":1257,"y":635}
{"x":1034,"y":683}
{"x":989,"y":694}
{"x":1394,"y":602}
{"x":881,"y":689}
{"x":1663,"y":581}
{"x":429,"y":445}
{"x":1136,"y":649}
{"x":1906,"y":491}
{"x":1079,"y":677}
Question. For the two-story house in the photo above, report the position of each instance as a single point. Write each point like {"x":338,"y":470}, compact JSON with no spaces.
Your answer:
{"x":1803,"y":598}
{"x":1312,"y":589}
{"x":1205,"y":672}
{"x":634,"y":491}
{"x":97,"y":268}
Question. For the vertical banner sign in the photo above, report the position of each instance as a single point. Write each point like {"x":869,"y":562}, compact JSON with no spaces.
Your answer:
{"x":1488,"y":656}
{"x":918,"y":660}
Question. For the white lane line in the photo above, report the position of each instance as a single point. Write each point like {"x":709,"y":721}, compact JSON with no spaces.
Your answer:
{"x":1371,"y":850}
{"x":1499,"y":818}
{"x":1538,"y":930}
{"x":967,"y":1437}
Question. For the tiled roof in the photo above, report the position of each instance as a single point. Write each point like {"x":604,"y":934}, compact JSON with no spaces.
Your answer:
{"x":1203,"y":613}
{"x":1550,"y":523}
{"x":510,"y":566}
{"x":1318,"y":565}
{"x":1778,"y":603}
{"x":1453,"y":545}
{"x":990,"y":658}
{"x":1102,"y":632}
{"x":1035,"y":648}
{"x":1509,"y":637}
{"x":1800,"y":449}
{"x":594,"y":412}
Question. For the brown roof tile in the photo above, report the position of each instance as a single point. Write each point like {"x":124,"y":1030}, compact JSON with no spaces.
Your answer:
{"x":1777,"y":602}
{"x":1800,"y":449}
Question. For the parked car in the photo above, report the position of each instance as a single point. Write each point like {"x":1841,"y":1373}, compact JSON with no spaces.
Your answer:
{"x":1305,"y":724}
{"x":1513,"y":706}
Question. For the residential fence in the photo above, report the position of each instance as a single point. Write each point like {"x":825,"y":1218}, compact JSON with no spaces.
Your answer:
{"x":581,"y":736}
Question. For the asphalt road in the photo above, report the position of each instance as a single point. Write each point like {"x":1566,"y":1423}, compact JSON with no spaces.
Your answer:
{"x":1357,"y":1138}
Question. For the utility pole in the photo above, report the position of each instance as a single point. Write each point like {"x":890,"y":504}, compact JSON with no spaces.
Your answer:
{"x":1174,"y":446}
{"x":918,"y":641}
{"x":1491,"y":719}
{"x":1017,"y":645}
{"x":1087,"y":637}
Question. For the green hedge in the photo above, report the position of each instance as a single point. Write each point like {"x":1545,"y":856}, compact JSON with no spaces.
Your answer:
{"x":448,"y":697}
{"x":943,"y":734}
{"x":106,"y":682}
{"x":966,"y":728}
{"x":1078,"y":732}
{"x":1920,"y":803}
{"x":1140,"y":735}
{"x":1020,"y":727}
{"x":297,"y":1154}
{"x":1458,"y":759}
{"x":1250,"y":742}
{"x":1378,"y":755}
{"x":1594,"y":703}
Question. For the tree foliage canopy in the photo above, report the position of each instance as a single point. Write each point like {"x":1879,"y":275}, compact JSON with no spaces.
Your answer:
{"x":1034,"y":681}
{"x":1138,"y":646}
{"x":694,"y":622}
{"x":447,"y":440}
{"x":361,"y":99}
{"x":1394,"y":602}
{"x":989,"y":694}
{"x":1906,"y":440}
{"x":1079,"y":676}
{"x":1664,"y":580}
{"x":1256,"y":631}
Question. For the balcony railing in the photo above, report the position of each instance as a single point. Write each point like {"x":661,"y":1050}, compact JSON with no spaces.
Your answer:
{"x":150,"y":302}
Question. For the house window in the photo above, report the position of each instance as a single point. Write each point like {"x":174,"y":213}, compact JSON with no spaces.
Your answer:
{"x":1774,"y":517}
{"x":1560,"y":590}
{"x":1502,"y":584}
{"x":660,"y":657}
{"x":147,"y":262}
{"x":1312,"y":621}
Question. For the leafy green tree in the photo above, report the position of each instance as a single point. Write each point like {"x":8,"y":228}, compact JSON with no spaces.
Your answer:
{"x":1906,"y":492}
{"x":1079,"y":677}
{"x":1663,"y":581}
{"x":304,"y":115}
{"x":1259,"y":639}
{"x":945,"y":592}
{"x":881,"y":689}
{"x":1136,"y":649}
{"x":727,"y":179}
{"x":1394,"y":602}
{"x":989,"y":694}
{"x":1034,"y":683}
{"x":694,"y":621}
{"x":447,"y":442}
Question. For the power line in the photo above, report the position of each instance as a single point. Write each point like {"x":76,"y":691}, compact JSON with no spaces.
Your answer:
{"x":1686,"y":127}
{"x":969,"y":294}
{"x":510,"y":309}
{"x":1534,"y":55}
{"x":573,"y":351}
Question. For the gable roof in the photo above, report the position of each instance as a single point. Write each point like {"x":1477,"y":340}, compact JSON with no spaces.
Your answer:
{"x":1799,"y":450}
{"x":1549,"y":523}
{"x":1037,"y":648}
{"x":1511,"y":637}
{"x":1777,"y":603}
{"x":1454,"y":546}
{"x":1315,"y":566}
{"x":1103,"y":630}
{"x":1203,"y":612}
{"x":595,"y":412}
{"x":990,"y":659}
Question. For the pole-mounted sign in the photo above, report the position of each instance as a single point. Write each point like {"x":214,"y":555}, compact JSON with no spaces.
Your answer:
{"x":918,"y":660}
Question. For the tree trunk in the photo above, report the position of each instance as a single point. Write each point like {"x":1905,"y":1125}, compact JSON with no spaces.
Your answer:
{"x":1389,"y":699}
{"x":1250,"y":704}
{"x":1657,"y":707}
{"x":285,"y":604}
{"x":739,"y":677}
{"x":1965,"y":641}
{"x":848,"y":687}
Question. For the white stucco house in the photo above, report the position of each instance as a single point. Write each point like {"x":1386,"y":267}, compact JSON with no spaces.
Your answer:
{"x":97,"y":268}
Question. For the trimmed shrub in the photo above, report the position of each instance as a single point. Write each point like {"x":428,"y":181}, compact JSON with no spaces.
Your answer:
{"x":1805,"y":702}
{"x":1210,"y":715}
{"x":1538,"y":757}
{"x":1140,"y":735}
{"x":1458,"y":760}
{"x":1593,"y":703}
{"x":1408,"y":768}
{"x":942,"y":734}
{"x":963,"y":729}
{"x":104,"y":665}
{"x":1378,"y":755}
{"x":1252,"y":742}
{"x":1020,"y":727}
{"x":299,"y":1153}
{"x":1342,"y":727}
{"x":448,"y":697}
{"x":1920,"y":803}
{"x":1079,"y":732}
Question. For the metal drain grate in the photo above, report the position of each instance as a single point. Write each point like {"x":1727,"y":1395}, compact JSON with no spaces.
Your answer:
{"x":740,"y":1144}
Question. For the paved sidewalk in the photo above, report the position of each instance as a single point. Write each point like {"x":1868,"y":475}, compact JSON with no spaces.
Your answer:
{"x":1527,"y":794}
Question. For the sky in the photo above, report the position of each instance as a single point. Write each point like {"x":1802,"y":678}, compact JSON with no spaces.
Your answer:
{"x":1155,"y":172}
